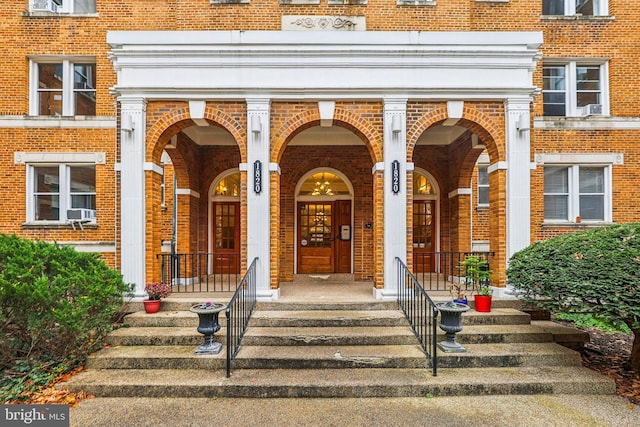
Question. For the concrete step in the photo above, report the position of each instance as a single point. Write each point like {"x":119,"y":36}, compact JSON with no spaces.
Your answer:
{"x":170,"y":318}
{"x":510,"y":355}
{"x":334,"y":357}
{"x":327,"y":318}
{"x":497,"y":316}
{"x":283,"y":383}
{"x":567,"y":336}
{"x":306,"y":305}
{"x":357,"y":335}
{"x":495,"y":334}
{"x":157,"y":357}
{"x":335,"y":336}
{"x":152,"y":336}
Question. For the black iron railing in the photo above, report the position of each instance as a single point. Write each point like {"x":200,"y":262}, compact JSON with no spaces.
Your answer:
{"x":201,"y":272}
{"x":437,"y":270}
{"x":420,"y":311}
{"x":239,"y":312}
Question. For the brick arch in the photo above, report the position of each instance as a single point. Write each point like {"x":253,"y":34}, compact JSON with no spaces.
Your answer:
{"x":360,"y":126}
{"x":174,"y":121}
{"x":489,"y":129}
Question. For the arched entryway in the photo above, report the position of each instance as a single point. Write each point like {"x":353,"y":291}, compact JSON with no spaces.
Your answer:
{"x":324,"y":223}
{"x":224,"y":223}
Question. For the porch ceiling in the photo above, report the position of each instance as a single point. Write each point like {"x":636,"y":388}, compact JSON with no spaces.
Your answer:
{"x":213,"y":135}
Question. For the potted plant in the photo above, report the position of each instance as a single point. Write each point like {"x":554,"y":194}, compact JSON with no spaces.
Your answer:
{"x":156,"y":291}
{"x":458,"y":294}
{"x":475,"y":270}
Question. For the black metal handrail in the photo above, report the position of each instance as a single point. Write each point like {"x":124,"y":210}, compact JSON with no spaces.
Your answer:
{"x":420,"y":311}
{"x":201,"y":272}
{"x":437,"y":270}
{"x":239,"y":312}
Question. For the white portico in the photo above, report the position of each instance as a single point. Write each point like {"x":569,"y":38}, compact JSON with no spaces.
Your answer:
{"x":259,"y":68}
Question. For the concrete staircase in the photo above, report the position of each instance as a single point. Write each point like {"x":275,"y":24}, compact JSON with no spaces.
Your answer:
{"x":330,"y":349}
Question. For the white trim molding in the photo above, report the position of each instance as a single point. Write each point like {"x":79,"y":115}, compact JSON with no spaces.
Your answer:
{"x":459,"y":192}
{"x":187,"y":192}
{"x":580,"y":158}
{"x":21,"y":157}
{"x":497,"y":166}
{"x":150,"y":166}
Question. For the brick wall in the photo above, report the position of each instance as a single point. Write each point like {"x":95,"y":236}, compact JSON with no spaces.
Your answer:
{"x":614,"y":38}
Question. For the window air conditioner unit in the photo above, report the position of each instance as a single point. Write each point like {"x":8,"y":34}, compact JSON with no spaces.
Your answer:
{"x":46,"y":5}
{"x":81,"y":215}
{"x":591,"y":110}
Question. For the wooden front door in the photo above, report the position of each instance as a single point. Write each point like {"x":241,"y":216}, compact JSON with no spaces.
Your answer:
{"x":424,"y":235}
{"x":226,"y":237}
{"x":324,"y":237}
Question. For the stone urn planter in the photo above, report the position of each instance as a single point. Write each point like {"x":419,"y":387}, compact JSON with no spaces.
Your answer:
{"x":208,"y":325}
{"x":451,"y":323}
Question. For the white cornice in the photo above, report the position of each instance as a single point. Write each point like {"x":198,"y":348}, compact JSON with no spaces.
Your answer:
{"x":324,"y":65}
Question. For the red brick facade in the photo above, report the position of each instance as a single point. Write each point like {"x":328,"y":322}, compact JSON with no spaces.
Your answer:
{"x":26,"y":36}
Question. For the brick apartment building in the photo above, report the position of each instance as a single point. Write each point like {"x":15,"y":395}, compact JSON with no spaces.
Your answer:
{"x":318,"y":136}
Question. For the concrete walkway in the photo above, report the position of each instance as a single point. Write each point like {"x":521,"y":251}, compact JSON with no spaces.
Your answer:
{"x":516,"y":411}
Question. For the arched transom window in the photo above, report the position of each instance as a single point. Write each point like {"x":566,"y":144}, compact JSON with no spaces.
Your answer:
{"x":324,"y":184}
{"x":228,"y":186}
{"x":422,"y":186}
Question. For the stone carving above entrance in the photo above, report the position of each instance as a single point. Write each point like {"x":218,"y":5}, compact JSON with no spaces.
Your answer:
{"x":323,"y":23}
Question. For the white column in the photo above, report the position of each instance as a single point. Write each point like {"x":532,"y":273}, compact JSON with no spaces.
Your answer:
{"x":395,"y":192}
{"x":518,"y":166}
{"x":132,"y":192}
{"x":258,"y":194}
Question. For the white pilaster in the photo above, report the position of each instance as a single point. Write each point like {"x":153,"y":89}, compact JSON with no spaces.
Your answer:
{"x":132,"y":192}
{"x":258,"y":194}
{"x":518,"y":167}
{"x":395,"y":192}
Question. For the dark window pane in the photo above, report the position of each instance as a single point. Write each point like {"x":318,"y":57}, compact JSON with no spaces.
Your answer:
{"x":553,"y":7}
{"x":47,"y":207}
{"x":84,"y":6}
{"x":83,"y":179}
{"x":556,"y":180}
{"x":556,"y":207}
{"x":591,"y":180}
{"x":584,"y":7}
{"x":592,"y":207}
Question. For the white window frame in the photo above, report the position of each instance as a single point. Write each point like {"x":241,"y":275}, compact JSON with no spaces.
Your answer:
{"x":64,"y":192}
{"x":63,"y":6}
{"x":574,"y":162}
{"x":571,"y":89}
{"x":68,"y":90}
{"x":600,"y":9}
{"x":483,"y":162}
{"x":32,"y":159}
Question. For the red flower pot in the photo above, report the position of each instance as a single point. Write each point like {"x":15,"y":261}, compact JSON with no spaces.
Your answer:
{"x":152,"y":305}
{"x":483,"y":303}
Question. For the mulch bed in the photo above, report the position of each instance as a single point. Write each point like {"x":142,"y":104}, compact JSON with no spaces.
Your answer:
{"x":607,"y":354}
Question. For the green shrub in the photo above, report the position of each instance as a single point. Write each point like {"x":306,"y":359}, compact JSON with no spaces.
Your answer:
{"x":595,"y":271}
{"x":56,"y":306}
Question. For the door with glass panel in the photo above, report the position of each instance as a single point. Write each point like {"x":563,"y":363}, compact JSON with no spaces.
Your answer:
{"x":315,"y":237}
{"x":226,"y":237}
{"x":424,"y":231}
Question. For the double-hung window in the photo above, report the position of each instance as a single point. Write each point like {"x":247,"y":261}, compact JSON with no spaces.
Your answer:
{"x":577,"y":193}
{"x":575,"y":89}
{"x":56,"y":189}
{"x":63,"y":87}
{"x":575,"y":7}
{"x":483,"y":185}
{"x":64,"y":6}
